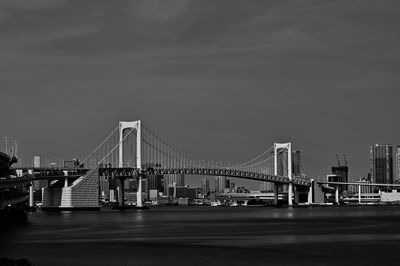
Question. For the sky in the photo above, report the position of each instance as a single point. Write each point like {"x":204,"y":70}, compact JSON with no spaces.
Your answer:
{"x":219,"y":80}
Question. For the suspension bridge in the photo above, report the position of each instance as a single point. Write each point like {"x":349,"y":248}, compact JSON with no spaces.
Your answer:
{"x":132,"y":150}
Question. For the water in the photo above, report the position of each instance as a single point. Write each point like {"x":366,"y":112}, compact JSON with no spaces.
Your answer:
{"x":210,"y":236}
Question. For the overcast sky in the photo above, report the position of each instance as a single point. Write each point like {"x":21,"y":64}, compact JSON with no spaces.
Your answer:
{"x":221,"y":80}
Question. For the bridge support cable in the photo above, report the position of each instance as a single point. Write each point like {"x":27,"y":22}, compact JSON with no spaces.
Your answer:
{"x":101,"y":145}
{"x":255,"y":158}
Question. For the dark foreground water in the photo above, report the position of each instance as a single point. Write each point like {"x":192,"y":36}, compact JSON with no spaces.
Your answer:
{"x":210,"y":236}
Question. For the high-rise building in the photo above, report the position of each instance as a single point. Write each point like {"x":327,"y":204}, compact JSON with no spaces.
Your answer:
{"x":381,"y":163}
{"x":220,"y":182}
{"x":205,"y":186}
{"x":36,"y":161}
{"x":398,"y":165}
{"x":155,"y":182}
{"x":173,"y":181}
{"x":342,"y":175}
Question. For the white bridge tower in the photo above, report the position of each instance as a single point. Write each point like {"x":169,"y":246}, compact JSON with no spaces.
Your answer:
{"x":288,"y":147}
{"x":135,"y":125}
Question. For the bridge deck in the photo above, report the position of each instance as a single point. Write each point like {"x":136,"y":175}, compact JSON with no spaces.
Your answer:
{"x":52,"y":174}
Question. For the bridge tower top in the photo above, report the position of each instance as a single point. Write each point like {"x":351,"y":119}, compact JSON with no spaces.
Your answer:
{"x":288,"y":147}
{"x":134,"y":125}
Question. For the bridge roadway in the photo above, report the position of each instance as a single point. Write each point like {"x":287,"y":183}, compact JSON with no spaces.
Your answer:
{"x":27,"y":175}
{"x":128,"y":172}
{"x":133,"y":172}
{"x":357,"y":184}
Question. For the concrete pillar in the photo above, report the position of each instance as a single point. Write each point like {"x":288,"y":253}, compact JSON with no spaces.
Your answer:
{"x":290,"y":194}
{"x":359,"y":193}
{"x":310,"y":192}
{"x":31,"y":203}
{"x":296,"y":194}
{"x":120,"y":189}
{"x":276,"y":189}
{"x":65,"y":179}
{"x":139,"y":202}
{"x":337,"y":194}
{"x":112,"y":195}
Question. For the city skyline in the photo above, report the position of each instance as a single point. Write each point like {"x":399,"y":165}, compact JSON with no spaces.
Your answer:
{"x":315,"y":80}
{"x":204,"y":132}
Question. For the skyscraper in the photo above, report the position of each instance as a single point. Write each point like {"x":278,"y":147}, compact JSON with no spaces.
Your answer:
{"x":398,"y":165}
{"x":341,"y":172}
{"x":205,"y":186}
{"x":36,"y":161}
{"x":381,"y":163}
{"x":220,"y":182}
{"x":173,"y":181}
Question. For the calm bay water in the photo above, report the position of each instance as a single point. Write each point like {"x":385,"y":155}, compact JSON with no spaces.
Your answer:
{"x":210,"y":236}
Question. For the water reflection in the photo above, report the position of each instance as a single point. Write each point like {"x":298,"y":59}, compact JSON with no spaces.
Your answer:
{"x":189,"y":228}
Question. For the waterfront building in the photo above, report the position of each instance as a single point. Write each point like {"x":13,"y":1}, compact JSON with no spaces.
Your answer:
{"x":173,"y":181}
{"x":205,"y":186}
{"x":38,"y":184}
{"x":381,"y":163}
{"x":241,"y":190}
{"x":36,"y":161}
{"x":231,"y":186}
{"x":220,"y":182}
{"x":398,"y":165}
{"x":263,"y":186}
{"x":365,"y":189}
{"x":227,"y":185}
{"x":184,"y":192}
{"x":155,"y":182}
{"x":342,"y":175}
{"x":73,"y":163}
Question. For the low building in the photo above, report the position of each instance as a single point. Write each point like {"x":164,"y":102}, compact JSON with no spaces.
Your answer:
{"x":393,"y":196}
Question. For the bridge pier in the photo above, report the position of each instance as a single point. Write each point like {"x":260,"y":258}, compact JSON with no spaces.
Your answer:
{"x":290,"y":194}
{"x":276,"y":189}
{"x":310,"y":193}
{"x":337,"y":194}
{"x":139,"y":202}
{"x":296,"y":195}
{"x":31,"y":201}
{"x":120,"y":191}
{"x":66,"y":178}
{"x":359,"y":193}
